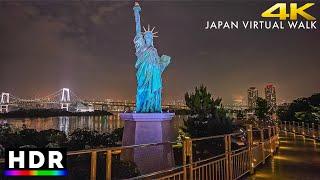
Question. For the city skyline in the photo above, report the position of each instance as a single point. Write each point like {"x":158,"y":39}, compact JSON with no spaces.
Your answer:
{"x":253,"y":94}
{"x":241,"y":100}
{"x":88,"y":48}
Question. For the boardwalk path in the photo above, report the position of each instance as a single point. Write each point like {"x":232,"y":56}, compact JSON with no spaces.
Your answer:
{"x":297,"y":158}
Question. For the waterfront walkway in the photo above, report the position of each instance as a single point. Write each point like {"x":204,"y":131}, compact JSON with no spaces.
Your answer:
{"x":297,"y":158}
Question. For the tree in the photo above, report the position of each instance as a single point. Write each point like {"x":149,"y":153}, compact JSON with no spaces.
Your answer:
{"x":310,"y":116}
{"x":315,"y":99}
{"x":201,"y":103}
{"x":283,"y":114}
{"x":207,"y":115}
{"x":207,"y":118}
{"x":302,"y":110}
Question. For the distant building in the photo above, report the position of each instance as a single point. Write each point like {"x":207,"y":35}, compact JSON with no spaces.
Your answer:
{"x":252,"y":98}
{"x":270,"y":95}
{"x":84,"y":108}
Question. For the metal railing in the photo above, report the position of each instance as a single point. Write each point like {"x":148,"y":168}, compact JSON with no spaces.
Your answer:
{"x":232,"y":164}
{"x":305,"y":129}
{"x":229,"y":165}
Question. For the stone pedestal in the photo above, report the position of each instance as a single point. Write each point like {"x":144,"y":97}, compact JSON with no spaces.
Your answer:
{"x":146,"y":128}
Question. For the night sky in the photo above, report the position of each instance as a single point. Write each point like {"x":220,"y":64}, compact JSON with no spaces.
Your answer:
{"x":87,"y":47}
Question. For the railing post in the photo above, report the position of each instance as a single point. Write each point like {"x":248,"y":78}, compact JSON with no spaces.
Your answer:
{"x":226,"y":151}
{"x":108,"y":164}
{"x":273,"y":137}
{"x":270,"y":140}
{"x":285,"y":126}
{"x":230,"y":158}
{"x":187,"y":152}
{"x":262,"y":145}
{"x":277,"y":137}
{"x":250,"y":144}
{"x":227,"y":143}
{"x":313,"y":130}
{"x":318,"y":131}
{"x":93,"y":172}
{"x":290,"y":127}
{"x":293,"y":128}
{"x":184,"y":159}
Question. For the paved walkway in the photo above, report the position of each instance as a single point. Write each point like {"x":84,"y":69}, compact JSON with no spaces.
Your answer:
{"x":297,"y":158}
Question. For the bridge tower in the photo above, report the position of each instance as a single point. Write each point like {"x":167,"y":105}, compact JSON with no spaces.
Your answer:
{"x":65,"y":99}
{"x":4,"y":103}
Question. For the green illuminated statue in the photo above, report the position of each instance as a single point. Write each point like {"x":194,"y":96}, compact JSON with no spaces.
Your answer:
{"x":149,"y":68}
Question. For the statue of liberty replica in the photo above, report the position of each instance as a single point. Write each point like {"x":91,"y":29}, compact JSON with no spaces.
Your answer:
{"x":148,"y":124}
{"x":149,"y":68}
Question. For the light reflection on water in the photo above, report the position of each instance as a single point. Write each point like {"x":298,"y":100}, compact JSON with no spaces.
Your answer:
{"x":297,"y":158}
{"x":69,"y":124}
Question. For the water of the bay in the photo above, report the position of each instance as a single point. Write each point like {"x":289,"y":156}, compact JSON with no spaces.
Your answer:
{"x":101,"y":124}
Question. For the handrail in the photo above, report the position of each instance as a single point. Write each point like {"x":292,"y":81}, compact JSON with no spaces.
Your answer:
{"x":88,"y":151}
{"x":304,"y":129}
{"x":214,"y":137}
{"x":159,"y":172}
{"x":208,"y":159}
{"x":144,"y":145}
{"x":118,"y":148}
{"x":206,"y":138}
{"x":240,"y":149}
{"x":232,"y":163}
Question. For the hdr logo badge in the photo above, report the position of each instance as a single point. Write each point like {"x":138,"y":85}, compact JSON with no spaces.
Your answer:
{"x":35,"y":162}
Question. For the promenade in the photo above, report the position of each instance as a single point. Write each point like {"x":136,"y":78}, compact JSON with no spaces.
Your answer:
{"x":297,"y":158}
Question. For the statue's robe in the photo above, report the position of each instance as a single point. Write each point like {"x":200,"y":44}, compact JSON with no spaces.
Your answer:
{"x":149,"y":82}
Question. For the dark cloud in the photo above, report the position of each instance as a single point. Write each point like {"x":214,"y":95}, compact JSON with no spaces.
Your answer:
{"x":87,"y":46}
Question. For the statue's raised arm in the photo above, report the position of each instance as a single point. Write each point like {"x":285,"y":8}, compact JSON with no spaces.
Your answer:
{"x":149,"y":68}
{"x":136,"y":10}
{"x":138,"y":39}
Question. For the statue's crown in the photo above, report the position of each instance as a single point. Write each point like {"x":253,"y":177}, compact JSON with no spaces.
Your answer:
{"x":150,"y":31}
